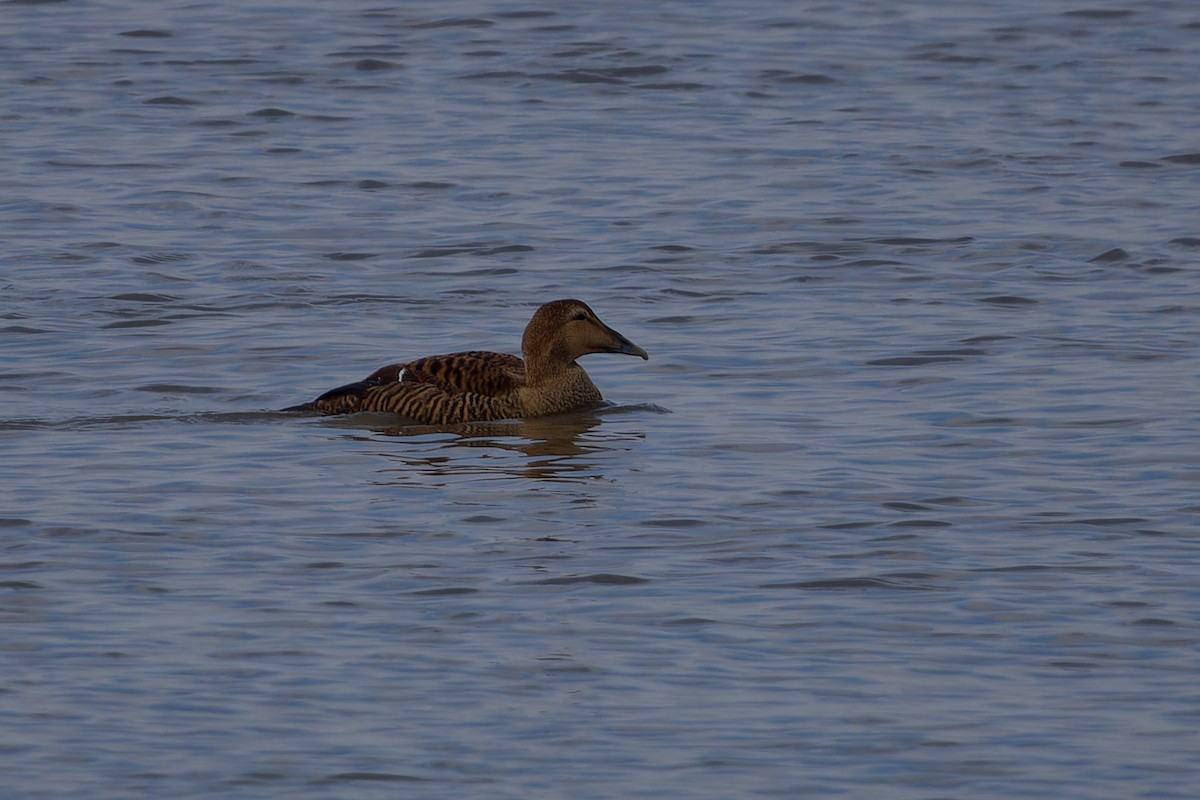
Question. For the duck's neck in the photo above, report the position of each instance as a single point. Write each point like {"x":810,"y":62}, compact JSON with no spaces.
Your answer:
{"x":544,"y":367}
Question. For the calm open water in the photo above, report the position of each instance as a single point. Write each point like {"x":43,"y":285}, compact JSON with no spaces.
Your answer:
{"x":905,"y":504}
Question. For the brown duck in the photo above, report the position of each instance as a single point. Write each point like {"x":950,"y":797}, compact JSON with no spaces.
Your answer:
{"x":480,"y":385}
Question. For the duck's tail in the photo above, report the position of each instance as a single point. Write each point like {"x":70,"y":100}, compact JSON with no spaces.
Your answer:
{"x":342,"y":400}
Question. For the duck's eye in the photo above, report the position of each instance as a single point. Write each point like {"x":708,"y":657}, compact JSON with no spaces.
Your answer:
{"x":579,"y":315}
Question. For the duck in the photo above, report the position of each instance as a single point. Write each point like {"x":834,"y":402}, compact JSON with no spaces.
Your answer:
{"x":482,"y":386}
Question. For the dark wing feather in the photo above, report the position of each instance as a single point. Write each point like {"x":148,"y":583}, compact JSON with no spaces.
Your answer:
{"x":348,"y":398}
{"x":473,"y":372}
{"x":437,"y":390}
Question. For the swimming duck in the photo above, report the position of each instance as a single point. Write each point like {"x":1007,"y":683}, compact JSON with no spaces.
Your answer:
{"x":480,"y":385}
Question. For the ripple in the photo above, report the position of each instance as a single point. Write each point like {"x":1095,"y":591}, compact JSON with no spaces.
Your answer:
{"x":605,"y":579}
{"x":837,"y":584}
{"x":787,"y":77}
{"x":170,"y":100}
{"x":272,"y":113}
{"x":1099,"y":13}
{"x":446,"y":591}
{"x":375,"y":65}
{"x":367,"y":777}
{"x":1010,"y":300}
{"x":911,"y":361}
{"x":1110,"y":256}
{"x":579,"y":76}
{"x":453,"y":22}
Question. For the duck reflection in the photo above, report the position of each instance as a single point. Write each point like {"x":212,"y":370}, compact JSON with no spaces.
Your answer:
{"x":563,"y":447}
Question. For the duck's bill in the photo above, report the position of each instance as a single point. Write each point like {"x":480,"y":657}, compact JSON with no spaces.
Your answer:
{"x":630,"y":349}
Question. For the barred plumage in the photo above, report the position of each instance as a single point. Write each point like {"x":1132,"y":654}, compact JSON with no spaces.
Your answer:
{"x":482,"y":386}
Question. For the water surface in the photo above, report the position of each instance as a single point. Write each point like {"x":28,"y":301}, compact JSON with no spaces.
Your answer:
{"x":903,"y":504}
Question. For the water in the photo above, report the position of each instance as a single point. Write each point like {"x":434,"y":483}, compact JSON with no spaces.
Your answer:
{"x":903,"y":505}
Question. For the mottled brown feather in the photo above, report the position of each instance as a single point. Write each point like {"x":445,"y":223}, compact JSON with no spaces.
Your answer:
{"x":476,"y":371}
{"x":484,"y":386}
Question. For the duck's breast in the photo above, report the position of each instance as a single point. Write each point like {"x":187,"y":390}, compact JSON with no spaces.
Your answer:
{"x":571,"y":391}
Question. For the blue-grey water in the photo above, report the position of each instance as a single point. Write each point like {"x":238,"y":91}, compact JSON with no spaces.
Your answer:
{"x":905,"y":505}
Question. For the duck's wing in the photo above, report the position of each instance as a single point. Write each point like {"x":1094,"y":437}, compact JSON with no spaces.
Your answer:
{"x":473,"y":372}
{"x":348,"y":399}
{"x":437,"y":390}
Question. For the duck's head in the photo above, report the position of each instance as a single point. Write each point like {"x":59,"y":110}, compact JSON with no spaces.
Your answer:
{"x":563,"y":330}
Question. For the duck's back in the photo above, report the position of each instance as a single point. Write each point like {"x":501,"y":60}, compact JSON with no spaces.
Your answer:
{"x":438,"y":390}
{"x":473,"y":372}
